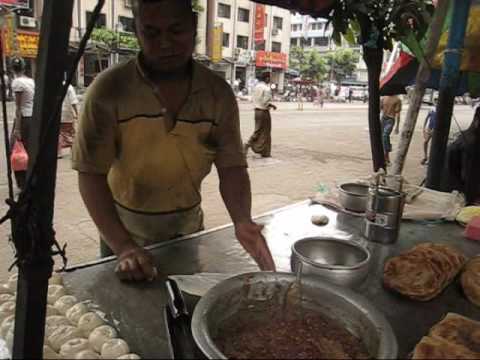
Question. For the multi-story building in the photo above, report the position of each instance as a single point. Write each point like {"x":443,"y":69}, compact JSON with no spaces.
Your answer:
{"x":316,"y":35}
{"x":254,"y":37}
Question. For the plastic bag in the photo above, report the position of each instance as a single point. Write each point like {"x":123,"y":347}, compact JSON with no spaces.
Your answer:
{"x":19,"y":158}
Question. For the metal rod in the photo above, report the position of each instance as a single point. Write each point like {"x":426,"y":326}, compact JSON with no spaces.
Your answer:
{"x":448,"y":84}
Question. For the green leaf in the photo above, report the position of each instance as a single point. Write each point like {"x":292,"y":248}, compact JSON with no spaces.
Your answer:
{"x":350,"y":37}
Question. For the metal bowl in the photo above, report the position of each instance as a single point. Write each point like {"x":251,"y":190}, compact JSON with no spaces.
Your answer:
{"x":339,"y":261}
{"x":253,"y":290}
{"x":353,"y":197}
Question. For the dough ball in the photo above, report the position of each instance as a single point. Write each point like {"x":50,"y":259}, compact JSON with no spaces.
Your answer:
{"x":129,"y":357}
{"x":75,"y":313}
{"x":51,"y":311}
{"x":55,"y":292}
{"x":56,"y":279}
{"x":74,"y":346}
{"x":65,"y":303}
{"x":89,"y":321}
{"x":9,"y":340}
{"x":12,"y":283}
{"x":53,"y":322}
{"x":62,"y":334}
{"x":6,"y":297}
{"x":6,"y":309}
{"x":87,"y":354}
{"x":4,"y":289}
{"x":7,"y":324}
{"x":101,"y":335}
{"x":114,"y":348}
{"x":48,"y":353}
{"x":320,"y":220}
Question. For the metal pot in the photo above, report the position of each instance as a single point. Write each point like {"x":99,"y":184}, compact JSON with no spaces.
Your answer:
{"x":353,"y":197}
{"x":236,"y":294}
{"x":339,"y":261}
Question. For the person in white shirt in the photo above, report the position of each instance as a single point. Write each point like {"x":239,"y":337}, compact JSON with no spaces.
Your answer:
{"x":23,"y":89}
{"x":69,"y":119}
{"x":261,"y":140}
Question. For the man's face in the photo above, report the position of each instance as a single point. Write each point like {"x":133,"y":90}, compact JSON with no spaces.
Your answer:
{"x":166,"y":33}
{"x":267,"y":79}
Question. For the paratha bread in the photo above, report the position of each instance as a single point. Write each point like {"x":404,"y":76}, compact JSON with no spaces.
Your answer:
{"x":460,"y":330}
{"x":438,"y":348}
{"x":470,"y":280}
{"x":424,"y":271}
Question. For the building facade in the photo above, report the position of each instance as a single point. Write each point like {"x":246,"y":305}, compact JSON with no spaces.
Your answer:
{"x":244,"y":38}
{"x":316,"y":35}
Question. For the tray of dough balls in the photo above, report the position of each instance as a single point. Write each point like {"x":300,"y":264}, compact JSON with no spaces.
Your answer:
{"x":73,"y":329}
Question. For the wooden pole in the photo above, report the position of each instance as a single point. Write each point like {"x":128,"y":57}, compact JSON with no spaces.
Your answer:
{"x":374,"y":59}
{"x":448,"y":85}
{"x":33,"y":234}
{"x":423,"y":76}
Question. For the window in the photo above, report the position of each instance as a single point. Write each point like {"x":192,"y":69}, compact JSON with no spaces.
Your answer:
{"x":101,"y":21}
{"x":297,"y":27}
{"x":224,"y":11}
{"x":277,"y":23}
{"x":243,"y":15}
{"x":242,"y":42}
{"x":321,"y":41}
{"x":316,"y":26}
{"x":127,"y":24}
{"x":294,"y":42}
{"x":276,"y":46}
{"x":305,"y":42}
{"x":226,"y":40}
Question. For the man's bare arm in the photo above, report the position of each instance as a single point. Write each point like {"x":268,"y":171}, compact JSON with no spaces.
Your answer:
{"x":134,"y":262}
{"x":236,"y":194}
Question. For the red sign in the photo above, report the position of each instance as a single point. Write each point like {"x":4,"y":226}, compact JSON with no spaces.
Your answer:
{"x":272,"y":60}
{"x":259,"y":23}
{"x":16,"y":3}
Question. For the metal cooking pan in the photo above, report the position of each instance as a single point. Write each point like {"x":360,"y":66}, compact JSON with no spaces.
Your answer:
{"x":350,"y":309}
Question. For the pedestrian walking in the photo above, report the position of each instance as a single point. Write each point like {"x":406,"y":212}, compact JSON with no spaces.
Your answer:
{"x":391,"y":107}
{"x":261,"y":140}
{"x":428,"y":128}
{"x":23,"y":88}
{"x":68,"y":122}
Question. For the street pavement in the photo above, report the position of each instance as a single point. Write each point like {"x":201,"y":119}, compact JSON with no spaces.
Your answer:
{"x":311,"y":149}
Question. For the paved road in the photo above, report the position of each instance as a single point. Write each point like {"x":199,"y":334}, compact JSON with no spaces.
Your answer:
{"x":311,"y":149}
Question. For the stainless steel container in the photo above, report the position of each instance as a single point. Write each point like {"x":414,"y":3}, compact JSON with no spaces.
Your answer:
{"x":339,"y":261}
{"x":384,"y":215}
{"x":251,"y":291}
{"x":353,"y":197}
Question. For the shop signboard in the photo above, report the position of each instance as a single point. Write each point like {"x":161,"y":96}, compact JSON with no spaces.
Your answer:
{"x":8,"y":35}
{"x":28,"y":44}
{"x":259,"y":23}
{"x":16,"y":3}
{"x":272,"y":60}
{"x":217,"y":43}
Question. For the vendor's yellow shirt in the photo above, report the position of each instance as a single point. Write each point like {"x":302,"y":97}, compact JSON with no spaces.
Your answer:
{"x":156,"y":164}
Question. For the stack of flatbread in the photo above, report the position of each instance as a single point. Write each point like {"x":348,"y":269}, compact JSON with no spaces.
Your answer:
{"x":471,"y":280}
{"x":455,"y":337}
{"x":423,"y":272}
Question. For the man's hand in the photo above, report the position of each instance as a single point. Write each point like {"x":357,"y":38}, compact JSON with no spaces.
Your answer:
{"x":273,"y":107}
{"x":249,"y":234}
{"x":136,"y":264}
{"x":17,"y":135}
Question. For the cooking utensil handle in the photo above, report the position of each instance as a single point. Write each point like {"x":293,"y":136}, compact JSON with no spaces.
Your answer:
{"x":176,"y":302}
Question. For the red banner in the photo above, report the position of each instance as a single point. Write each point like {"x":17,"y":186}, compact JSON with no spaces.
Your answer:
{"x":16,"y":3}
{"x":272,"y":59}
{"x":259,"y":23}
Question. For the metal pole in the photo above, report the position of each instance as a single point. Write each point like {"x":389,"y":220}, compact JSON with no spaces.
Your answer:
{"x":448,"y":85}
{"x":33,"y":234}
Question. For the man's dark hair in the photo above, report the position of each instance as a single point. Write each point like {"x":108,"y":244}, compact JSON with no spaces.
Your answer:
{"x":264,"y":76}
{"x":137,"y":3}
{"x":18,"y":65}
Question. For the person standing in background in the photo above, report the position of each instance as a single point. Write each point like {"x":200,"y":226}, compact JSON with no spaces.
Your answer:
{"x":391,"y":107}
{"x":261,"y":140}
{"x":23,"y":89}
{"x":69,"y":120}
{"x":428,"y":128}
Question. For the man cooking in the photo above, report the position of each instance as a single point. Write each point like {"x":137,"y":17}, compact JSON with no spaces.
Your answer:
{"x":149,"y":133}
